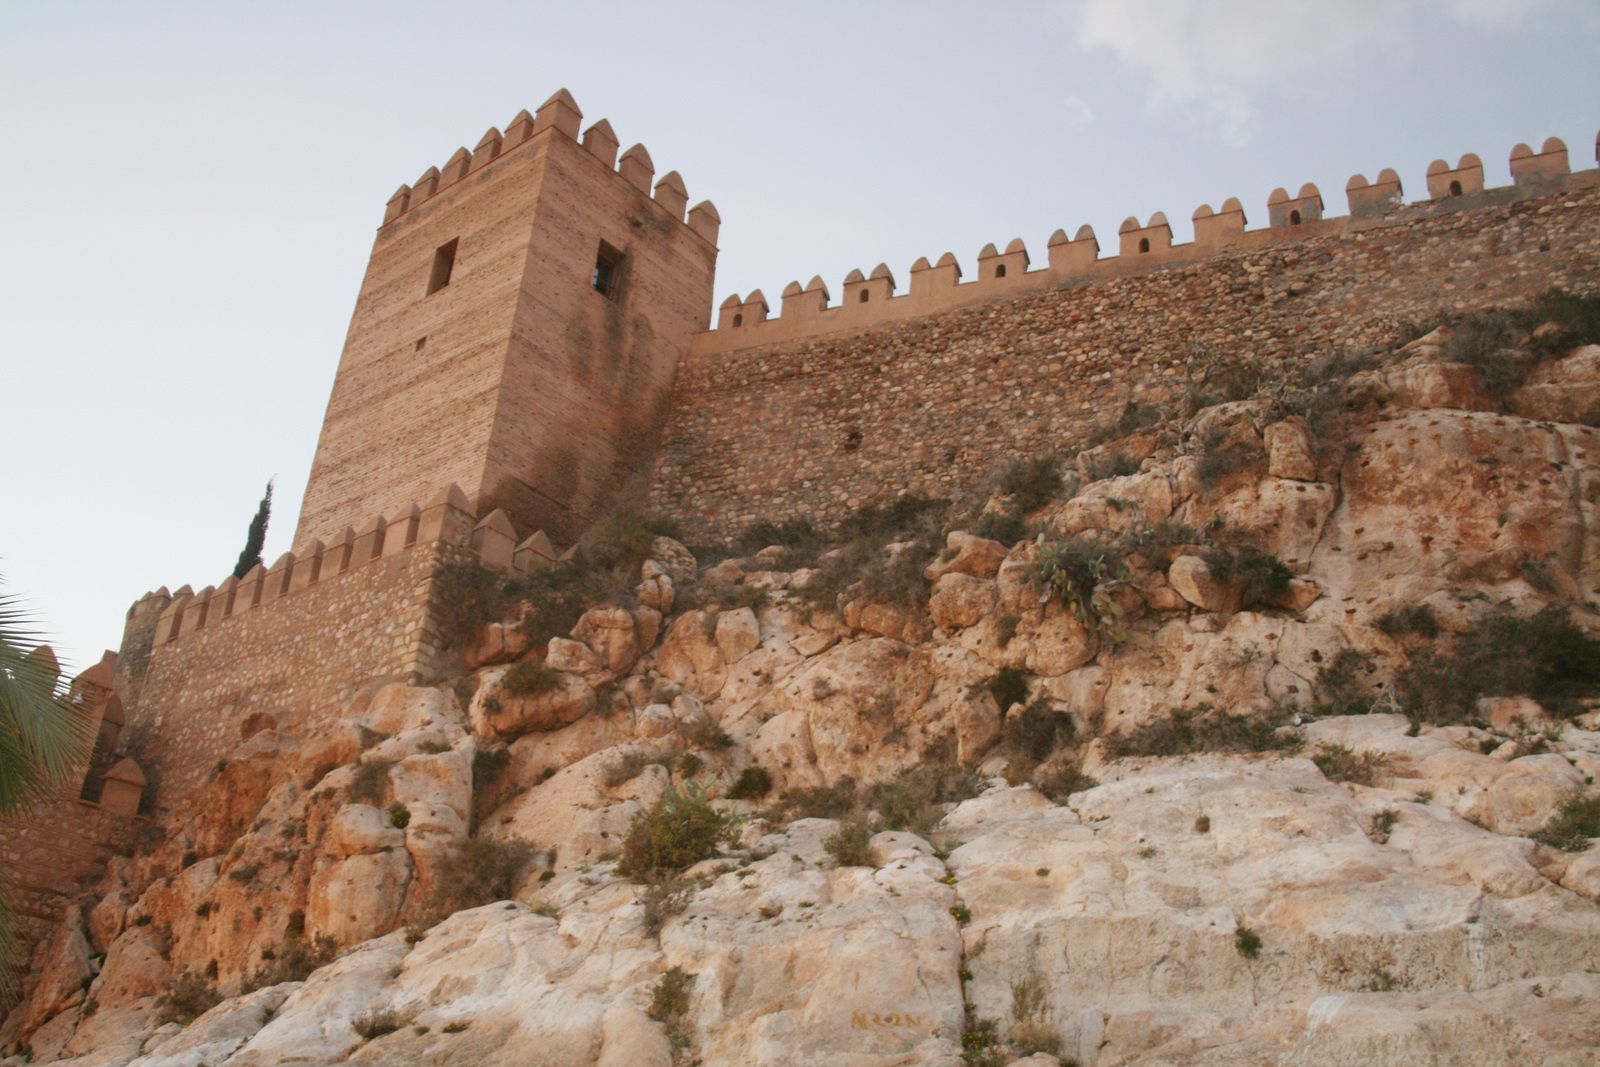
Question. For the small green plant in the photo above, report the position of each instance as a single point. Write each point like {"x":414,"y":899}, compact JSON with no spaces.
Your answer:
{"x":399,"y":816}
{"x":851,"y":844}
{"x":293,"y":961}
{"x":376,"y":1023}
{"x":1382,"y":823}
{"x":662,"y":900}
{"x":1544,"y":656}
{"x":1202,"y":824}
{"x":1038,"y":729}
{"x":1220,"y":457}
{"x":690,"y":764}
{"x":1339,"y":687}
{"x":753,"y":783}
{"x":961,"y":913}
{"x":454,"y":1028}
{"x":669,"y":1005}
{"x":1339,"y":763}
{"x":628,"y":767}
{"x":1113,"y":464}
{"x":679,"y":830}
{"x":1571,"y":829}
{"x":547,"y":910}
{"x":1247,"y":941}
{"x":1031,"y":483}
{"x":187,"y":997}
{"x":530,"y":678}
{"x":980,"y":1043}
{"x":704,"y":733}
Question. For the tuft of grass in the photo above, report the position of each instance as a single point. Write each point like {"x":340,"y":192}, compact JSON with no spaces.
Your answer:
{"x":1065,"y":782}
{"x":1031,"y":483}
{"x":1247,"y":942}
{"x":530,"y":678}
{"x":1220,"y":457}
{"x":1338,"y":685}
{"x":399,"y":816}
{"x":1571,"y":828}
{"x":1417,"y":619}
{"x":370,"y":781}
{"x":1204,"y":730}
{"x":1038,"y":730}
{"x":1031,"y":1032}
{"x":662,"y":900}
{"x":477,"y":871}
{"x":851,"y":844}
{"x":374,"y":1024}
{"x":1341,"y":764}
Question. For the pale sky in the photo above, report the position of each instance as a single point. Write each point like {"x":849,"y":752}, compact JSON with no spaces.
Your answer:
{"x":190,"y":190}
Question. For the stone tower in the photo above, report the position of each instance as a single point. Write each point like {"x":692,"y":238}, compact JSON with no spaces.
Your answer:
{"x":517,"y":332}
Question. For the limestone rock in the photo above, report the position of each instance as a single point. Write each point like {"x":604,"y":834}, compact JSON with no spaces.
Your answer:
{"x":964,"y":553}
{"x":358,"y":897}
{"x":1291,"y":450}
{"x":1191,"y":577}
{"x":960,"y":600}
{"x":611,"y":633}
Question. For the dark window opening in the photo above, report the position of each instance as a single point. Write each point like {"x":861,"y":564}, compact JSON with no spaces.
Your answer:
{"x":607,"y":271}
{"x":738,"y":320}
{"x":863,"y":297}
{"x":1294,"y":218}
{"x":1144,"y":244}
{"x":444,"y":262}
{"x":1455,"y":188}
{"x":1000,"y":271}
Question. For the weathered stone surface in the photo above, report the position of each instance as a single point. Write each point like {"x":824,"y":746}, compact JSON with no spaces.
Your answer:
{"x":1291,"y":450}
{"x":964,"y":553}
{"x":960,"y":600}
{"x":1192,"y":578}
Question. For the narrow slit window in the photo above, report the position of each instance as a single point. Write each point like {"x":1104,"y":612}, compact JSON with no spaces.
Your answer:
{"x":1455,"y":188}
{"x":1000,"y":271}
{"x":607,"y":271}
{"x":1294,"y":218}
{"x":863,"y":297}
{"x":444,"y":262}
{"x":738,"y":320}
{"x":1144,"y":244}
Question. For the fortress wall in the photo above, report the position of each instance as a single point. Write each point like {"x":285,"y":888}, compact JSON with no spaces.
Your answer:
{"x":54,"y":853}
{"x":816,"y":426}
{"x":289,"y":644}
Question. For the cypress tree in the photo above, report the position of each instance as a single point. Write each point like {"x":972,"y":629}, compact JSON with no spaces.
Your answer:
{"x":256,"y":538}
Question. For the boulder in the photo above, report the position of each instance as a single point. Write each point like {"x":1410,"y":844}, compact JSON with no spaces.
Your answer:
{"x":1291,"y":450}
{"x":1191,"y":577}
{"x":964,"y":553}
{"x":960,"y":600}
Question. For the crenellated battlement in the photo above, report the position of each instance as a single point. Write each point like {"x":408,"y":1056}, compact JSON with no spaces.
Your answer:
{"x":446,"y":519}
{"x":1141,"y":246}
{"x":559,"y":116}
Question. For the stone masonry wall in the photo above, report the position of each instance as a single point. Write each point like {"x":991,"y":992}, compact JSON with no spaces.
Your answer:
{"x":812,"y":428}
{"x":51,"y":854}
{"x":294,"y":659}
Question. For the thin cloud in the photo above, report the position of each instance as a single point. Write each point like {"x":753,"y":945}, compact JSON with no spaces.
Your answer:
{"x":1213,"y":58}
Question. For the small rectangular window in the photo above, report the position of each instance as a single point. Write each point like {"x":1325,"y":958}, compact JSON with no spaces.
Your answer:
{"x":444,"y":261}
{"x":607,"y":271}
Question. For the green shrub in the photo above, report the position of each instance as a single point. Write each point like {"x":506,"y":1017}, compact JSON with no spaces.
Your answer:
{"x":1007,"y":527}
{"x":628,"y":767}
{"x":466,"y":595}
{"x":1031,"y":483}
{"x":1115,"y":464}
{"x":1247,"y":942}
{"x":707,"y":734}
{"x":1341,"y":764}
{"x":1220,"y":457}
{"x":916,"y":800}
{"x":1134,"y":418}
{"x":1009,"y":686}
{"x":1038,"y":729}
{"x":980,"y":1043}
{"x":1204,"y":730}
{"x":477,"y":871}
{"x":815,"y":802}
{"x":1571,"y":828}
{"x":662,"y":900}
{"x":1065,"y":782}
{"x":669,"y":1005}
{"x":753,"y":783}
{"x":1544,"y":656}
{"x":1084,"y":573}
{"x":1263,"y":577}
{"x":851,"y":844}
{"x":186,"y":998}
{"x":1338,"y":685}
{"x":399,"y":816}
{"x":690,"y":764}
{"x":679,"y":830}
{"x":374,"y":1024}
{"x":529,"y":678}
{"x":1417,"y":619}
{"x":370,"y":781}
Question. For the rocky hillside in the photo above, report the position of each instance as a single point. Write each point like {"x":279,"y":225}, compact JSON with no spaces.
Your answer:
{"x":1263,"y":732}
